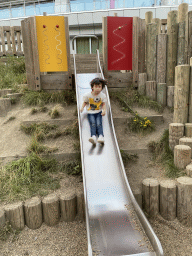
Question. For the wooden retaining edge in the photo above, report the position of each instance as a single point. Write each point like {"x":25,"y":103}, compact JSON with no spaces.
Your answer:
{"x":158,"y":119}
{"x":51,"y":209}
{"x":170,"y":198}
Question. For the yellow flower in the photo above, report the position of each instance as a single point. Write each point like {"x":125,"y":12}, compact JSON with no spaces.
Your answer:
{"x":135,"y":120}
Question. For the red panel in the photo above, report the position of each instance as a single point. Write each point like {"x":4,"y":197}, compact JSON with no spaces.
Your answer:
{"x":119,"y":43}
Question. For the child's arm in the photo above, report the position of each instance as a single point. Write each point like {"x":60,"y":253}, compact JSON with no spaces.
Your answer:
{"x":103,"y":109}
{"x":83,"y":105}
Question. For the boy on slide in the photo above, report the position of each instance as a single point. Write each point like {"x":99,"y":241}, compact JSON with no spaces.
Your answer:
{"x":95,"y":102}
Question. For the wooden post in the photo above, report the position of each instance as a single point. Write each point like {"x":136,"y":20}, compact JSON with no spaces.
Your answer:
{"x":151,"y":59}
{"x":19,"y":52}
{"x":150,"y":192}
{"x":158,"y":22}
{"x":68,"y":52}
{"x":182,"y":156}
{"x":170,"y":96}
{"x":148,"y":19}
{"x":176,"y":131}
{"x":51,"y":210}
{"x":161,"y":58}
{"x":189,"y":170}
{"x":28,"y":52}
{"x":81,"y":205}
{"x":181,"y":58}
{"x":162,"y":93}
{"x":183,"y":17}
{"x":190,"y":94}
{"x":105,"y":52}
{"x":14,"y":213}
{"x":142,"y":83}
{"x":13,"y":40}
{"x":32,"y":21}
{"x":68,"y":204}
{"x":186,"y":141}
{"x":8,"y":35}
{"x":151,"y":89}
{"x":190,"y":35}
{"x":33,"y":213}
{"x":172,"y":31}
{"x":184,"y":200}
{"x":188,"y":129}
{"x":141,"y":49}
{"x":2,"y":218}
{"x":181,"y":100}
{"x":2,"y":35}
{"x":135,"y":50}
{"x":168,"y":199}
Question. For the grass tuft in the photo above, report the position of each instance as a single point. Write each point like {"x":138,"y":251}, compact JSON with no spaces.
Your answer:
{"x":12,"y":72}
{"x":54,"y":113}
{"x":37,"y":148}
{"x":163,"y":154}
{"x":26,"y":177}
{"x":40,"y":98}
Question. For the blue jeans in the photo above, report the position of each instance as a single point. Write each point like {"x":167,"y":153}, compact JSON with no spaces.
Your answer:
{"x":95,"y":121}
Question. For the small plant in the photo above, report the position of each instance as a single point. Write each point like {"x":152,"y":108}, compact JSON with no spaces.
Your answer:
{"x":7,"y":230}
{"x":34,"y":111}
{"x":163,"y":154}
{"x":54,"y":113}
{"x":140,"y":124}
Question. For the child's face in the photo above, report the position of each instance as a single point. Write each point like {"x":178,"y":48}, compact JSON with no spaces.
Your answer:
{"x":97,"y":88}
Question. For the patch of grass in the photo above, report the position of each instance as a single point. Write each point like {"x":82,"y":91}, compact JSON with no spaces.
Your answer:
{"x":7,"y":230}
{"x":129,"y":97}
{"x":40,"y":98}
{"x":54,"y":113}
{"x":12,"y":72}
{"x":11,"y":118}
{"x":128,"y":157}
{"x":27,"y":177}
{"x":33,"y":111}
{"x":37,"y":148}
{"x":140,"y":124}
{"x":42,"y":130}
{"x":72,"y":167}
{"x":163,"y":154}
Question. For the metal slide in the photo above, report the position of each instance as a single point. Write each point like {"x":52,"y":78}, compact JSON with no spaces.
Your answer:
{"x":115,"y":222}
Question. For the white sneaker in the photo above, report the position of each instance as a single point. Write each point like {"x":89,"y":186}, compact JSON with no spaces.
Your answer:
{"x":93,"y":139}
{"x":101,"y":139}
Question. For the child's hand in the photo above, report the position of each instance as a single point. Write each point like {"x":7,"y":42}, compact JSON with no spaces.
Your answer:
{"x":103,"y":112}
{"x":81,"y":109}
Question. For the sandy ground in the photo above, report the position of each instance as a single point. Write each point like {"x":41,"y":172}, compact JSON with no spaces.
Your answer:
{"x":70,"y":238}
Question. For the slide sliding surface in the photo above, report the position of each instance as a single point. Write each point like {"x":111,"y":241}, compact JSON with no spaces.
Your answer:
{"x":115,"y":223}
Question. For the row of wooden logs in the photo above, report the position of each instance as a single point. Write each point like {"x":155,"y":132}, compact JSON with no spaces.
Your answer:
{"x":170,"y":198}
{"x":182,"y":146}
{"x":157,"y":91}
{"x":51,"y":209}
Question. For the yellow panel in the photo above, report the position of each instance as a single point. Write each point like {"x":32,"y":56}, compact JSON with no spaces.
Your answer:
{"x":51,"y":43}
